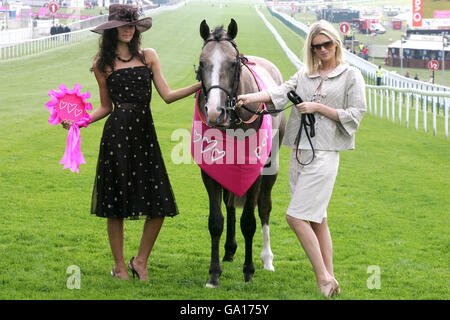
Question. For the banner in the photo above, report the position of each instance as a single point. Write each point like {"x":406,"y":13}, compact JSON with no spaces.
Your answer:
{"x":442,"y":14}
{"x":430,"y":7}
{"x":417,"y":13}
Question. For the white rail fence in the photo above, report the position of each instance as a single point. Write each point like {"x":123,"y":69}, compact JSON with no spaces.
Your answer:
{"x":394,"y":103}
{"x":397,"y":104}
{"x":367,"y":68}
{"x":290,"y":54}
{"x":35,"y":46}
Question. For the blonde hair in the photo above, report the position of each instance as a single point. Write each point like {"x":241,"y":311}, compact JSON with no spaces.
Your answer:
{"x":312,"y":62}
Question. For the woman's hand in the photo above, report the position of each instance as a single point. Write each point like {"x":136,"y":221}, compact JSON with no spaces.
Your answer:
{"x":307,"y":107}
{"x":311,"y":107}
{"x":243,"y":99}
{"x":66,"y":124}
{"x":261,"y":96}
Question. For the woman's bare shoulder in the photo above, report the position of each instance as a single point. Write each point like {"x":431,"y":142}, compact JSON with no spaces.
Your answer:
{"x":149,"y":53}
{"x":98,"y":72}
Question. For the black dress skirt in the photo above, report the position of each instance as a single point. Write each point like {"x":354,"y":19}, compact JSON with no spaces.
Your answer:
{"x":131,"y":180}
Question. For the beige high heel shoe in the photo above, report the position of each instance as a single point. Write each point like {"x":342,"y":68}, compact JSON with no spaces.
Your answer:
{"x":116,"y":275}
{"x":330,"y":288}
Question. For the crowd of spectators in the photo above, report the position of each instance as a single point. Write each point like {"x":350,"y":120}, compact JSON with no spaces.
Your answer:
{"x":58,"y":29}
{"x":419,"y":54}
{"x":361,"y":50}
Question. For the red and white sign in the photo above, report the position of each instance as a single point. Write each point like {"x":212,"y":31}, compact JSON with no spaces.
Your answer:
{"x":344,"y":27}
{"x":433,"y":65}
{"x":417,"y":13}
{"x":53,"y":7}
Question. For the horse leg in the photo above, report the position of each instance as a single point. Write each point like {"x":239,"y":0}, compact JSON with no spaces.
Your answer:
{"x":230,"y":244}
{"x":215,"y":225}
{"x":248,"y":227}
{"x":264,"y":209}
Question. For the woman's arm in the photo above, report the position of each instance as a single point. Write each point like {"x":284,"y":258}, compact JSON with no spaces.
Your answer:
{"x":350,"y":115}
{"x":160,"y":82}
{"x":262,"y":96}
{"x":276,"y":95}
{"x":311,"y":107}
{"x":105,"y":107}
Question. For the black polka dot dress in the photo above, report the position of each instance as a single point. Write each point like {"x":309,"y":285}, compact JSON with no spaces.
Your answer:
{"x":131,"y":180}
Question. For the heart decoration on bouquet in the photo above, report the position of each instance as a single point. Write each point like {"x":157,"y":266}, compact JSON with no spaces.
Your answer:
{"x":70,"y":105}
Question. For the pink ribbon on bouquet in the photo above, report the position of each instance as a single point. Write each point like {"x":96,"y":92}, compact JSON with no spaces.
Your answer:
{"x":72,"y":156}
{"x":70,"y":105}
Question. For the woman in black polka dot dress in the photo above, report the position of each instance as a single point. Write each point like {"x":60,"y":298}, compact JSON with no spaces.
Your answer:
{"x":131,"y":180}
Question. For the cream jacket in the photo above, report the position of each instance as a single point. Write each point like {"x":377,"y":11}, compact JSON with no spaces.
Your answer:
{"x":343,"y":89}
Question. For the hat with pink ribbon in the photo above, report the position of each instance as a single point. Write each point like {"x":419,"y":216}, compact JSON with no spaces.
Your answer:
{"x":122,"y":15}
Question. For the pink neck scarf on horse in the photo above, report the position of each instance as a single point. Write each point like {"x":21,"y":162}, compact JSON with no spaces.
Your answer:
{"x":233,"y":163}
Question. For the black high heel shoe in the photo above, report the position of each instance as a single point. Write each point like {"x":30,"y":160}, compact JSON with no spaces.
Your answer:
{"x":133,"y":271}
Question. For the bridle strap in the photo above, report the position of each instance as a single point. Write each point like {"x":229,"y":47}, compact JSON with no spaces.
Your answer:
{"x":255,"y":115}
{"x":218,"y":87}
{"x":231,"y":96}
{"x":197,"y":105}
{"x":260,"y":109}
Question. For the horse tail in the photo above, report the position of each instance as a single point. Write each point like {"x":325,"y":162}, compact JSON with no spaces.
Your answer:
{"x":232,"y":200}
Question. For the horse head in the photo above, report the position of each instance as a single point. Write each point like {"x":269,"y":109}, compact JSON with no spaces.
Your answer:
{"x":219,"y":71}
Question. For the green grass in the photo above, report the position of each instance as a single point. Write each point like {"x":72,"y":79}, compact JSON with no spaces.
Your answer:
{"x":390,"y":205}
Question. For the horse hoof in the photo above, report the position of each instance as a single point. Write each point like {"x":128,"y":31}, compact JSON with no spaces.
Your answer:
{"x":267,"y":259}
{"x":228,"y":258}
{"x":248,"y":277}
{"x":249,"y":271}
{"x":211,"y":285}
{"x":213,"y":282}
{"x":269,"y":266}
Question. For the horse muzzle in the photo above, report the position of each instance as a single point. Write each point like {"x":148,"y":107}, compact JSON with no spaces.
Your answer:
{"x":216,"y":116}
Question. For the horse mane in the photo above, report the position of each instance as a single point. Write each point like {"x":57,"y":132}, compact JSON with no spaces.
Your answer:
{"x":217,"y":33}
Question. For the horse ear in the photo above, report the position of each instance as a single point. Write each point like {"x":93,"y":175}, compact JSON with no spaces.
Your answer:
{"x":232,"y":29}
{"x":204,"y":30}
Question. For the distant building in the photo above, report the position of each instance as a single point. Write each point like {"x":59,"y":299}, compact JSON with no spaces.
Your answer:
{"x":337,"y":15}
{"x":418,"y":50}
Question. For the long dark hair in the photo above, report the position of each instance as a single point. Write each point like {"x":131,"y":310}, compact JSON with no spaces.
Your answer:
{"x":106,"y":54}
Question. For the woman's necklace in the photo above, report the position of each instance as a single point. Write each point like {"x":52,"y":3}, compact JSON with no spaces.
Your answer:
{"x":124,"y":60}
{"x":324,"y":72}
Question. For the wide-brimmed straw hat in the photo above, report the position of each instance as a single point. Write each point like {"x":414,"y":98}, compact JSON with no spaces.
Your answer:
{"x":122,"y":15}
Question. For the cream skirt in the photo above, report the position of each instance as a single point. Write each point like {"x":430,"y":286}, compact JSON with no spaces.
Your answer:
{"x":312,"y":185}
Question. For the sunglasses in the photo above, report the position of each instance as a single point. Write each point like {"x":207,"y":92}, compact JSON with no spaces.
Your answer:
{"x":325,"y":45}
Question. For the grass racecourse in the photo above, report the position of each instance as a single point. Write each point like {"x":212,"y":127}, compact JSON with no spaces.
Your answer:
{"x":389,"y":214}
